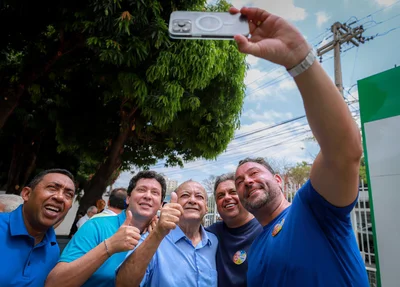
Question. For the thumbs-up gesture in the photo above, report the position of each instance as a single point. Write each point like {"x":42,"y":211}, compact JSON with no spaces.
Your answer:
{"x":169,"y":216}
{"x":126,"y":237}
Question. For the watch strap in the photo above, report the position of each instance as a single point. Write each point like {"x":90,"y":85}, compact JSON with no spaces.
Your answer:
{"x":304,"y":65}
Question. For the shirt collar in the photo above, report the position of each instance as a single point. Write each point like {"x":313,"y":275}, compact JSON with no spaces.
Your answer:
{"x":17,"y":227}
{"x":177,"y":234}
{"x":17,"y":224}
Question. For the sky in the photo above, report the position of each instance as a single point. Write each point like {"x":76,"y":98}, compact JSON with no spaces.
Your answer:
{"x":272,"y":120}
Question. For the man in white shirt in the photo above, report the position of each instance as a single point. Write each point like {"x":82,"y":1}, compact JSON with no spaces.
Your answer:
{"x":90,"y":212}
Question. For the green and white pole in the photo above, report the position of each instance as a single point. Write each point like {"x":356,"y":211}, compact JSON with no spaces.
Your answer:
{"x":379,"y":97}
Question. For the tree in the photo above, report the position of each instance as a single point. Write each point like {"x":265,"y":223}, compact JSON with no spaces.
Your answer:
{"x":126,"y":94}
{"x":171,"y":92}
{"x":363,"y":171}
{"x":208,"y":184}
{"x":300,"y":173}
{"x":279,"y":165}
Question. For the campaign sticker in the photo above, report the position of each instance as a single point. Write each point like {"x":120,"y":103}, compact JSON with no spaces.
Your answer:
{"x":239,"y":257}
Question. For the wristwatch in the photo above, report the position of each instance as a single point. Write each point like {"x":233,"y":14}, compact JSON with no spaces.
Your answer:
{"x":304,"y":65}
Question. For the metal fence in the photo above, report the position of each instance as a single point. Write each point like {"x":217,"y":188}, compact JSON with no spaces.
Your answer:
{"x":362,"y":224}
{"x":360,"y":217}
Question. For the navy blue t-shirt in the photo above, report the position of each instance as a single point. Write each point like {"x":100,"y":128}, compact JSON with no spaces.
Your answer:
{"x":233,"y":249}
{"x":311,"y":243}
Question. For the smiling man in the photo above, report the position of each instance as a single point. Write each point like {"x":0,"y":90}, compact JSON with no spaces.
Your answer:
{"x":27,"y":238}
{"x":310,"y":242}
{"x":235,"y":233}
{"x":178,"y":245}
{"x":101,"y":244}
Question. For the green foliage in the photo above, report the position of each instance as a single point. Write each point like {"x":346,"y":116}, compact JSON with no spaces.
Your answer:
{"x":300,"y":173}
{"x":88,"y":68}
{"x":363,"y":171}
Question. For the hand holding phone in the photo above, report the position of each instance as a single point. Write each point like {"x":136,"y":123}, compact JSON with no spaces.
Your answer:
{"x":207,"y":25}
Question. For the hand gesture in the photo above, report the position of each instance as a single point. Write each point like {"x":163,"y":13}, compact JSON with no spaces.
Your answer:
{"x":169,"y":216}
{"x":272,"y":38}
{"x":126,"y":238}
{"x":152,"y":224}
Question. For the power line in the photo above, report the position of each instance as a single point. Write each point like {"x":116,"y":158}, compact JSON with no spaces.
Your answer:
{"x":279,"y":79}
{"x":270,"y":127}
{"x":231,"y":159}
{"x":377,"y":11}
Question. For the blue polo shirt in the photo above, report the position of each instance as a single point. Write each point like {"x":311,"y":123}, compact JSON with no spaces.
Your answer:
{"x":91,"y":234}
{"x":311,"y":243}
{"x":178,"y":263}
{"x":22,"y":263}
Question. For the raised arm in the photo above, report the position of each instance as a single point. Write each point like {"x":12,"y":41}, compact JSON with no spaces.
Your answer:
{"x":133,"y":269}
{"x":334,"y":173}
{"x":77,"y":272}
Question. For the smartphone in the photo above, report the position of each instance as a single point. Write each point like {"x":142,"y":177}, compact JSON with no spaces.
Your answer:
{"x":207,"y":25}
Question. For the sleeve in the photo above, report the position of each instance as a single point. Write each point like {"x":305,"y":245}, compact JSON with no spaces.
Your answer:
{"x":85,"y":239}
{"x":146,"y":281}
{"x":335,"y":221}
{"x":149,"y":270}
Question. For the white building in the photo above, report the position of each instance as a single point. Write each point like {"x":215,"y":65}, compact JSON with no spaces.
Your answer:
{"x":171,"y":186}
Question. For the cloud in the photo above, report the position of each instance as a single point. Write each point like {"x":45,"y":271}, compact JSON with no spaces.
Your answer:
{"x":263,"y":74}
{"x":230,"y":167}
{"x":273,"y":86}
{"x":385,"y":3}
{"x":267,"y":117}
{"x":123,"y":179}
{"x":352,"y":100}
{"x":251,"y":60}
{"x":283,"y":141}
{"x":322,"y":18}
{"x":283,"y":8}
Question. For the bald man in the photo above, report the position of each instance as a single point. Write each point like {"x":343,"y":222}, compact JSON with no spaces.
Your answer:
{"x":178,"y":243}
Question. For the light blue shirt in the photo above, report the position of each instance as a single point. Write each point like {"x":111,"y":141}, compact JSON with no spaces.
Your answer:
{"x":91,"y":234}
{"x":178,"y":263}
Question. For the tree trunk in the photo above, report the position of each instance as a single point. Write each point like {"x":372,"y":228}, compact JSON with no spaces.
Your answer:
{"x":98,"y":184}
{"x":8,"y":103}
{"x":23,"y":161}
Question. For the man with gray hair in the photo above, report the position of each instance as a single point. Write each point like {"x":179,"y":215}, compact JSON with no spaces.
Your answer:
{"x":90,"y":212}
{"x":178,"y":243}
{"x":235,"y":233}
{"x":10,"y":202}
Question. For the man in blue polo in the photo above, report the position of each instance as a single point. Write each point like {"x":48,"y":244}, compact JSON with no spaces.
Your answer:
{"x":100,"y":246}
{"x":27,"y":238}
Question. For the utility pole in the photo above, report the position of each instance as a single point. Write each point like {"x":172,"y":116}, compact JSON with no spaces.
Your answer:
{"x":342,"y":33}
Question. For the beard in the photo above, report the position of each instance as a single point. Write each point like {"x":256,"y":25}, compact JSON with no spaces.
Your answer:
{"x":269,"y":193}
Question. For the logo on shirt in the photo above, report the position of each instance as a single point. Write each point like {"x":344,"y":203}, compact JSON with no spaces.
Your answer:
{"x":278,"y":227}
{"x":239,"y":257}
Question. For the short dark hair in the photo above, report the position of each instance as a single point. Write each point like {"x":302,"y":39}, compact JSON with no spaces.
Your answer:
{"x":258,"y":160}
{"x":222,"y":178}
{"x":39,"y":177}
{"x":117,"y":198}
{"x":148,"y":174}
